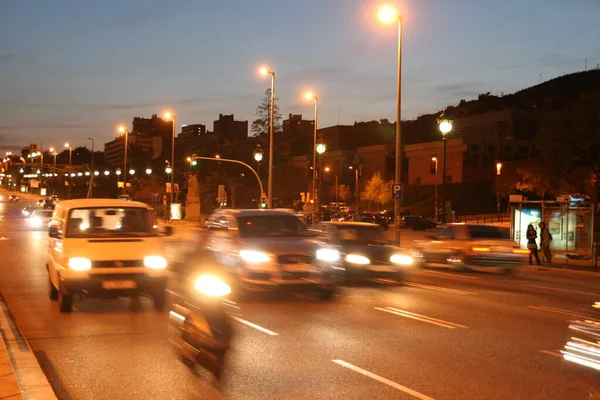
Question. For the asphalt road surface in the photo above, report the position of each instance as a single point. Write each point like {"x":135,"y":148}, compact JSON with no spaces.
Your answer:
{"x":442,"y":335}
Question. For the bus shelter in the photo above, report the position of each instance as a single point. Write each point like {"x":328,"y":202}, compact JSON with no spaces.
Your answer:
{"x":568,"y":218}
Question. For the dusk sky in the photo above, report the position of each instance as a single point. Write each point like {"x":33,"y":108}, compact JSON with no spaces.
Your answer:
{"x":76,"y":69}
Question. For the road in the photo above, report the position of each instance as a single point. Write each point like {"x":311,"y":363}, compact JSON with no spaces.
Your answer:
{"x":442,"y":335}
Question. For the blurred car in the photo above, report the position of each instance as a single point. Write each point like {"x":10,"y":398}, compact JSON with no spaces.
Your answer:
{"x":581,"y":352}
{"x":267,"y":250}
{"x":39,"y":219}
{"x":1,"y":198}
{"x":367,"y":217}
{"x":13,"y":197}
{"x":26,"y":212}
{"x":464,"y":245}
{"x":388,"y":215}
{"x":416,"y":223}
{"x":363,"y":252}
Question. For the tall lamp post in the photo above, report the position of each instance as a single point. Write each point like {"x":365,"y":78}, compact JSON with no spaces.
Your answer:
{"x":311,"y":96}
{"x":265,"y":71}
{"x":320,"y":148}
{"x":54,"y":153}
{"x":169,"y":116}
{"x":68,"y":146}
{"x":445,"y":126}
{"x":498,"y":173}
{"x":356,"y":169}
{"x":434,"y":160}
{"x":328,"y":169}
{"x":388,"y":15}
{"x":124,"y":131}
{"x":91,"y":188}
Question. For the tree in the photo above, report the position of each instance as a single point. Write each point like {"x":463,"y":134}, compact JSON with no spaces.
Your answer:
{"x":260,"y":126}
{"x":536,"y":178}
{"x":377,"y":190}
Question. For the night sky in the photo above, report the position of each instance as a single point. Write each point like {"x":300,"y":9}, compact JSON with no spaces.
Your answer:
{"x":75,"y":69}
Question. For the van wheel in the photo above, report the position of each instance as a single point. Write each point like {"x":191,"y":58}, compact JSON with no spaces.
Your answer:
{"x":52,"y":290}
{"x":65,"y":302}
{"x":160,"y":300}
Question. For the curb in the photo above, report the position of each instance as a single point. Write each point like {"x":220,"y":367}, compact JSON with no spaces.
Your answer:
{"x":27,"y":376}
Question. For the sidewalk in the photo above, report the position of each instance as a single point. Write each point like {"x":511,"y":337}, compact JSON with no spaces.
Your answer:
{"x":21,"y":377}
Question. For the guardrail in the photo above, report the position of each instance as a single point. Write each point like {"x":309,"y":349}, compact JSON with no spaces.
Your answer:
{"x":483,"y":218}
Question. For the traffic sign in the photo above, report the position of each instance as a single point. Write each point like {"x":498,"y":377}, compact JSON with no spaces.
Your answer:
{"x":397,"y":191}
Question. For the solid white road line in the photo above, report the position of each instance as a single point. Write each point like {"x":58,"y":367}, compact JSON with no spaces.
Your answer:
{"x":257,"y":327}
{"x":439,"y":289}
{"x":552,"y":353}
{"x":383,"y":380}
{"x":422,"y":318}
{"x":449,"y":274}
{"x":561,"y":290}
{"x":559,"y":311}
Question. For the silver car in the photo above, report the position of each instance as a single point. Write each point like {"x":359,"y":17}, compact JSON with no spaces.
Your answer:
{"x":477,"y":245}
{"x":268,"y":250}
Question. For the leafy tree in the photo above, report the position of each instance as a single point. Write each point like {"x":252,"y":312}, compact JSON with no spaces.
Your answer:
{"x":260,"y":126}
{"x":536,"y":178}
{"x":377,"y":190}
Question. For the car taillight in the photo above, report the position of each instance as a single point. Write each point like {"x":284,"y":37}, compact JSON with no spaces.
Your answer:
{"x":520,"y":251}
{"x":481,"y":249}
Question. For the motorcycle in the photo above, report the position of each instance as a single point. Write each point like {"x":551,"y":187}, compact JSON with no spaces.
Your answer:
{"x":200,"y":328}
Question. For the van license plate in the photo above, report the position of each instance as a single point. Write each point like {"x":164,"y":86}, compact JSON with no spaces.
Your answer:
{"x":119,"y":285}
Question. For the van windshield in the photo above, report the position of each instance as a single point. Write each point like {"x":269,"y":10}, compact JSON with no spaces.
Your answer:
{"x":109,"y":222}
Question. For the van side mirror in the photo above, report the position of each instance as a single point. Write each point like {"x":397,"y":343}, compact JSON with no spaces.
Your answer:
{"x":168,"y":231}
{"x":53,"y":232}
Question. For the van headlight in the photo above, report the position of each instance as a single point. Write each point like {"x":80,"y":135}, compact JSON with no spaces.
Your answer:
{"x":80,"y":263}
{"x":155,"y":262}
{"x":254,"y":257}
{"x":328,"y":255}
{"x":211,"y":285}
{"x":357,"y":259}
{"x":35,"y":222}
{"x":401,"y":259}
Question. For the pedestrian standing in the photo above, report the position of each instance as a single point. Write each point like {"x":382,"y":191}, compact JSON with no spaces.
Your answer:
{"x":545,"y":240}
{"x":532,"y":245}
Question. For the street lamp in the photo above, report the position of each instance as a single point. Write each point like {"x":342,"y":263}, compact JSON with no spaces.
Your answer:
{"x":68,"y":146}
{"x":327,"y":169}
{"x":91,"y":188}
{"x":435,"y":202}
{"x":169,"y":116}
{"x":388,"y":15}
{"x":258,"y":156}
{"x":132,"y":171}
{"x":265,"y":71}
{"x":498,"y":173}
{"x":320,"y":148}
{"x":148,"y":171}
{"x":54,"y":153}
{"x":310,"y":96}
{"x":121,"y":129}
{"x":445,"y":126}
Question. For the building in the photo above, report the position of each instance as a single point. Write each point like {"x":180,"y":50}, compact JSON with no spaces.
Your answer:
{"x":190,"y":138}
{"x":229,"y":130}
{"x":154,"y":127}
{"x":114,"y":151}
{"x":299,"y":133}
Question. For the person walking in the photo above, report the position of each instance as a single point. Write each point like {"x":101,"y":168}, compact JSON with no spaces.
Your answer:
{"x":545,"y":240}
{"x":532,"y":245}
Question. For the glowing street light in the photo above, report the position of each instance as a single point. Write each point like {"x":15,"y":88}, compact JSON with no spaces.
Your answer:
{"x":321,"y":148}
{"x":388,"y":15}
{"x":498,"y":172}
{"x":148,"y":171}
{"x":132,"y":171}
{"x":68,"y":146}
{"x":445,"y":126}
{"x":171,"y":116}
{"x":266,"y":71}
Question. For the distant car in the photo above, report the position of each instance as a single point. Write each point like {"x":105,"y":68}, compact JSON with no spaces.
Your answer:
{"x":39,"y":219}
{"x":364,"y":254}
{"x":388,"y":215}
{"x":367,"y":217}
{"x":465,"y":245}
{"x":417,"y":223}
{"x":26,"y":212}
{"x":13,"y":197}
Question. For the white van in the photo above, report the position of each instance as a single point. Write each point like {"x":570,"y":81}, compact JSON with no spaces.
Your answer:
{"x":105,"y":248}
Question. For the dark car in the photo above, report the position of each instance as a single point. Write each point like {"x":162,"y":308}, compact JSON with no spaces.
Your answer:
{"x":368,"y":217}
{"x":388,"y":215}
{"x":417,"y":223}
{"x":13,"y":197}
{"x":362,"y":251}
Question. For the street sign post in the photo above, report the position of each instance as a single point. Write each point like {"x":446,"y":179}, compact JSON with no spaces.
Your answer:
{"x":397,"y":191}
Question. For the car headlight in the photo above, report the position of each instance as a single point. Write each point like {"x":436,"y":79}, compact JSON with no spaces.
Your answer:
{"x":79,"y":263}
{"x":401,"y":259}
{"x":211,"y":285}
{"x":328,"y":255}
{"x":357,"y":259}
{"x":26,"y":213}
{"x":155,"y":262}
{"x":35,"y":221}
{"x":254,"y":257}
